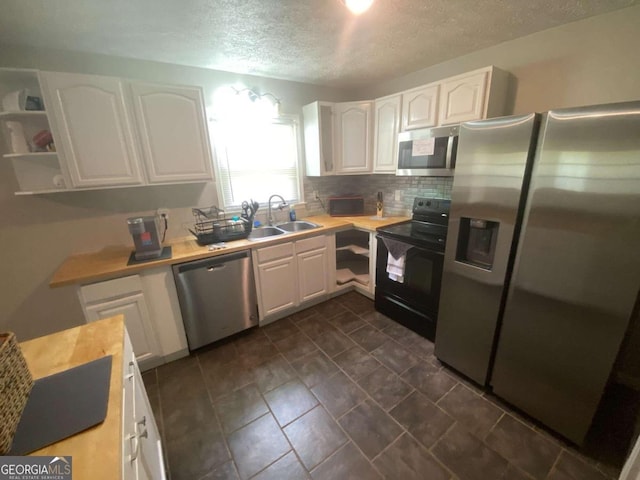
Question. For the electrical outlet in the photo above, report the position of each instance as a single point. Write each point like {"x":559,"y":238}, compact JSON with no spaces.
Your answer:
{"x":163,"y":212}
{"x":398,"y":195}
{"x":315,"y":195}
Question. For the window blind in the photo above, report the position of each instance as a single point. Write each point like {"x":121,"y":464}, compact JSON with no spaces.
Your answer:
{"x":256,"y":160}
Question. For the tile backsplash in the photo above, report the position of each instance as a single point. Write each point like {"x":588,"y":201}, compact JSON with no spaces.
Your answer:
{"x":369,"y":185}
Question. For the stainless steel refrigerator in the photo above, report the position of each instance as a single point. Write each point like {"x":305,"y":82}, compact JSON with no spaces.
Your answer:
{"x":542,"y":263}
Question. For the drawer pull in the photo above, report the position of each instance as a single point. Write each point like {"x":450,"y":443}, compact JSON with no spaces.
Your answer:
{"x":143,"y":422}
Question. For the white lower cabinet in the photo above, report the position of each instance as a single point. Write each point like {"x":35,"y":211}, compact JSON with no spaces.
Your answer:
{"x":290,"y":274}
{"x":151,"y":312}
{"x":275,"y":272}
{"x":123,"y":296}
{"x":141,"y":448}
{"x":313,"y":269}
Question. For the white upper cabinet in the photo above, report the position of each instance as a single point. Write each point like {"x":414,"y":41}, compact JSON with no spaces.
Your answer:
{"x":420,"y":107}
{"x":338,"y":136}
{"x":473,"y":96}
{"x":353,"y":137}
{"x":462,"y":98}
{"x":93,"y":126}
{"x":318,"y":139}
{"x":387,"y":125}
{"x":173,"y":134}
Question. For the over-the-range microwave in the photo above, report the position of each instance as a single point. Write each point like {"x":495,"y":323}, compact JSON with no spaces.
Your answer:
{"x":428,"y":151}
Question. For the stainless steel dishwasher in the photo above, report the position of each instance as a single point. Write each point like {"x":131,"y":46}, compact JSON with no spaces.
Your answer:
{"x":217,"y":297}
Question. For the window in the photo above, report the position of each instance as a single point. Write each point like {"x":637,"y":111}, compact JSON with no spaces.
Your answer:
{"x":257,"y":159}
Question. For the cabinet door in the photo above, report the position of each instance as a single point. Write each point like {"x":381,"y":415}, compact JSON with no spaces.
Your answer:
{"x":136,"y":317}
{"x":277,"y":283}
{"x":318,"y":139}
{"x":90,"y":118}
{"x":149,"y":460}
{"x":353,"y":137}
{"x":173,"y":133}
{"x":313,"y":274}
{"x":463,"y":98}
{"x":420,"y":107}
{"x":387,"y":126}
{"x":129,"y":464}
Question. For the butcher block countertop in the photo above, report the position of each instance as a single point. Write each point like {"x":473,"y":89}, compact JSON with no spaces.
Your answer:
{"x":111,"y":262}
{"x":96,"y":452}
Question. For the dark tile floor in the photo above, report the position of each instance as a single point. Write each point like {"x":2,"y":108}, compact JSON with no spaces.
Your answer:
{"x":336,"y":392}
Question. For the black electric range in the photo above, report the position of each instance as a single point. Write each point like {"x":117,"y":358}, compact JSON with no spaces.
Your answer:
{"x":411,"y":294}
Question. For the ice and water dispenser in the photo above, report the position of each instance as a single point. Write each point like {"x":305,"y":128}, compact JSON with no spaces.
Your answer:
{"x":477,"y":240}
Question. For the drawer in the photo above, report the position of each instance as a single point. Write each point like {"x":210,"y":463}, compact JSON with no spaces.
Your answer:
{"x":268,"y":254}
{"x":117,"y":287}
{"x":312,"y":243}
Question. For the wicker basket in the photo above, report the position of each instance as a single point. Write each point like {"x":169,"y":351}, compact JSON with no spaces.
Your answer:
{"x":15,"y":385}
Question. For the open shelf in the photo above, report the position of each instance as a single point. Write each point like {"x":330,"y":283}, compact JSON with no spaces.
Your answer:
{"x":31,"y":154}
{"x":38,"y":192}
{"x":346,"y":275}
{"x":352,"y":258}
{"x":356,"y":249}
{"x":23,"y":114}
{"x":38,"y":171}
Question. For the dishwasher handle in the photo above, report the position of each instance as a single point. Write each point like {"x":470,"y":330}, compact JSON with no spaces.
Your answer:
{"x":212,"y":263}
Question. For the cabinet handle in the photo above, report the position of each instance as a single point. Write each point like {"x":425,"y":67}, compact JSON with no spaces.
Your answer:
{"x":143,"y":422}
{"x":134,"y":450}
{"x":131,"y":373}
{"x":136,"y":437}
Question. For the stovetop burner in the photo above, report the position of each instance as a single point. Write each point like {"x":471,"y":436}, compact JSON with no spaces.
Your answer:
{"x":427,"y":227}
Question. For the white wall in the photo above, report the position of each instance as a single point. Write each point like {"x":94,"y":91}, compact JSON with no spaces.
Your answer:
{"x":38,"y":232}
{"x":583,"y":63}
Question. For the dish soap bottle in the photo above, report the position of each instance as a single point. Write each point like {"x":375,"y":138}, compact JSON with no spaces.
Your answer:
{"x":292,"y":214}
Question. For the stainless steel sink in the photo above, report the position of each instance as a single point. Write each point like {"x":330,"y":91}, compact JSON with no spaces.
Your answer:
{"x":265,"y":232}
{"x":297,"y":226}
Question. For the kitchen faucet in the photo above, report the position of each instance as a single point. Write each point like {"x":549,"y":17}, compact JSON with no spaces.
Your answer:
{"x":280,"y":207}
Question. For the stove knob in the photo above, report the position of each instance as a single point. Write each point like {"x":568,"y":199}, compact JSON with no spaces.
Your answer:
{"x":420,"y":203}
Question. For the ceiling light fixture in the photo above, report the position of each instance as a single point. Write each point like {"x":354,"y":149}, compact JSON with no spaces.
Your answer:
{"x":358,"y":6}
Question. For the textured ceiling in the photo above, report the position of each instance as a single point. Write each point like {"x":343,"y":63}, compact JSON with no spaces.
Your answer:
{"x":314,"y":41}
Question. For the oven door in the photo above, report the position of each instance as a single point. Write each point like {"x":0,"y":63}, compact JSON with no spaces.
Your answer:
{"x":414,"y":302}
